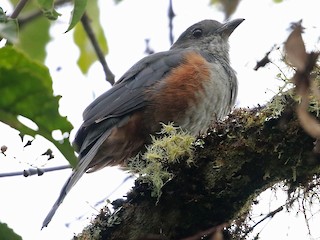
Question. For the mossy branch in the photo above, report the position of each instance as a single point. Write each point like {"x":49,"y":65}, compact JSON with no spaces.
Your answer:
{"x":240,"y":157}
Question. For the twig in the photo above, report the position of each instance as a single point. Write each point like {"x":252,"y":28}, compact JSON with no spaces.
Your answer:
{"x":114,"y":190}
{"x":103,"y":200}
{"x":34,"y":171}
{"x":274,"y":212}
{"x":18,"y":8}
{"x":269,"y":215}
{"x":86,"y":25}
{"x":171,"y":15}
{"x":304,"y":211}
{"x":34,"y":15}
{"x":148,"y":50}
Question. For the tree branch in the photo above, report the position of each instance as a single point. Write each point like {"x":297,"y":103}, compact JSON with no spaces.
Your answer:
{"x":34,"y":171}
{"x":241,"y":157}
{"x":86,"y":25}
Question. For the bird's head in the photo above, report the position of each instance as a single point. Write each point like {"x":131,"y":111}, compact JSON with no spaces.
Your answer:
{"x":209,"y":36}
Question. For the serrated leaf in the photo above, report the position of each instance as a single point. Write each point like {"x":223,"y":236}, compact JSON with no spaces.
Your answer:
{"x":78,"y":11}
{"x":34,"y":37}
{"x":26,"y":90}
{"x":8,"y":233}
{"x":87,"y":54}
{"x":47,"y":6}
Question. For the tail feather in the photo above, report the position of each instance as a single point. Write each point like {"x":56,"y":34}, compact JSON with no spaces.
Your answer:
{"x":75,"y":176}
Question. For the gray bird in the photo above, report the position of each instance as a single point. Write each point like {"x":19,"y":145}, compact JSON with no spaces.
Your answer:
{"x":191,"y":85}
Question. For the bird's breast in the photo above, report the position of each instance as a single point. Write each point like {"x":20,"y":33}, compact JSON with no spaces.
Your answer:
{"x":192,"y":95}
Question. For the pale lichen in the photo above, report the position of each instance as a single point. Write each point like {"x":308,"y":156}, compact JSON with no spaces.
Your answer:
{"x":169,"y":146}
{"x":288,"y":91}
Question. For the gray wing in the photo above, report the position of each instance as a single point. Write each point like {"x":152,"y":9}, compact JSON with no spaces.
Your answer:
{"x":110,"y":110}
{"x":74,"y":178}
{"x":126,"y":96}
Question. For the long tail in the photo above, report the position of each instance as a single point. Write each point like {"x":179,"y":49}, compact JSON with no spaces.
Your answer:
{"x":75,"y":176}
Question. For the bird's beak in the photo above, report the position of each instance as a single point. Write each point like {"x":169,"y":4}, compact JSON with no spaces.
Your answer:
{"x":227,"y":28}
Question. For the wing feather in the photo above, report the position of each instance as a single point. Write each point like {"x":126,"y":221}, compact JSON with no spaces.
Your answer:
{"x":126,"y":96}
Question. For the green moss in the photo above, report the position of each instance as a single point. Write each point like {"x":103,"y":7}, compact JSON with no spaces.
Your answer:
{"x":169,"y":146}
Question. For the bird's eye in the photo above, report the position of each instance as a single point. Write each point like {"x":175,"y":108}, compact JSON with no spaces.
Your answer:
{"x":197,"y":32}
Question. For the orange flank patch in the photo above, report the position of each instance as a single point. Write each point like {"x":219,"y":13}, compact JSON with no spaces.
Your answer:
{"x":125,"y":141}
{"x":170,"y":98}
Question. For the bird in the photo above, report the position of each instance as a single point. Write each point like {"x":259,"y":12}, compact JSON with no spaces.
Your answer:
{"x":192,"y":84}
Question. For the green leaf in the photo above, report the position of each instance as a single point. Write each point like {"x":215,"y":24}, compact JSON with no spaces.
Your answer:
{"x":8,"y":28}
{"x":47,"y":7}
{"x":34,"y":37}
{"x":8,"y":233}
{"x":26,"y":90}
{"x":87,"y":54}
{"x":78,"y":11}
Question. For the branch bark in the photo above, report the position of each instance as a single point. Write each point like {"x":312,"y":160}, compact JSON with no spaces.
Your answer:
{"x":244,"y":155}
